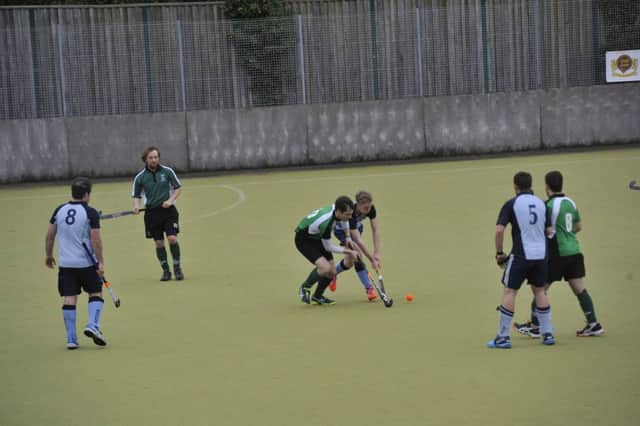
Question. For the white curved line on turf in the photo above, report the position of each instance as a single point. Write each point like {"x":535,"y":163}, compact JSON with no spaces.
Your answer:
{"x":370,"y":175}
{"x":242,"y":197}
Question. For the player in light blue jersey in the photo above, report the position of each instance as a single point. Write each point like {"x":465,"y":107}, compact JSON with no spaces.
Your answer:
{"x":362,"y":210}
{"x":76,"y":226}
{"x":530,"y":225}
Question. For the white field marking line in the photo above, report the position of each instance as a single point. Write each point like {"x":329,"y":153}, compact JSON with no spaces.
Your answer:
{"x":371,"y":175}
{"x":241,"y":198}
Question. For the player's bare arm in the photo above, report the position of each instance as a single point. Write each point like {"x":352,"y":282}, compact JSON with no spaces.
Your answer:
{"x":50,"y":238}
{"x":136,"y":205}
{"x":550,"y":232}
{"x":577,"y":227}
{"x":172,"y":199}
{"x":96,"y":243}
{"x":501,"y":257}
{"x":360,"y":245}
{"x":375,"y":229}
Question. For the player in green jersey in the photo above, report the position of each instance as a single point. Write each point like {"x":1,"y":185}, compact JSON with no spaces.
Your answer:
{"x":313,"y":240}
{"x":160,"y":187}
{"x":565,"y":259}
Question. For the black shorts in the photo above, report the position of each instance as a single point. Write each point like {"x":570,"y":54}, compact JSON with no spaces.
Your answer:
{"x":160,"y":221}
{"x":518,"y":269}
{"x":566,"y":267}
{"x":311,"y":248}
{"x":71,"y":281}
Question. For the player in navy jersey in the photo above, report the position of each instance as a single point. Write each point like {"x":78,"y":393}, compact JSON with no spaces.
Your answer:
{"x":530,"y":226}
{"x":363,"y":209}
{"x":76,"y":226}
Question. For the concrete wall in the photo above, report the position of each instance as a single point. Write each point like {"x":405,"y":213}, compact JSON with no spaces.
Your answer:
{"x":478,"y":124}
{"x":366,"y":131}
{"x":233,"y":139}
{"x":110,"y":145}
{"x":33,"y":150}
{"x":320,"y":134}
{"x":591,"y":115}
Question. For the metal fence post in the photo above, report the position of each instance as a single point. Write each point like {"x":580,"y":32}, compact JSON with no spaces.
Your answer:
{"x":147,"y":58}
{"x":374,"y":46}
{"x":538,"y":43}
{"x":181,"y":64}
{"x":485,"y":46}
{"x":63,"y":86}
{"x":35,"y":66}
{"x":300,"y":55}
{"x":419,"y":52}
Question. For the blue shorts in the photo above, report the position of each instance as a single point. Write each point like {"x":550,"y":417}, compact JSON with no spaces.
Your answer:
{"x":518,"y":269}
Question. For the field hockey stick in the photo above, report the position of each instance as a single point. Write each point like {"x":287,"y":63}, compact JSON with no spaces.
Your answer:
{"x":381,"y":280}
{"x":379,"y":287}
{"x":107,"y":284}
{"x":633,"y":185}
{"x":117,"y":214}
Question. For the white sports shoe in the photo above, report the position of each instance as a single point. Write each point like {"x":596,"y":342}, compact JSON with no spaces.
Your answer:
{"x":72,"y":345}
{"x":96,"y":335}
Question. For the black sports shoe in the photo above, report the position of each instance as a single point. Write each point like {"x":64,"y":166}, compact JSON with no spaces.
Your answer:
{"x":528,"y":329}
{"x":305,"y":294}
{"x":178,"y":273}
{"x":322,"y":301}
{"x":590,"y":330}
{"x":166,"y":275}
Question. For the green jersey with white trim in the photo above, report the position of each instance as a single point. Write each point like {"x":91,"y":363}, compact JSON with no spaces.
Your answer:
{"x":155,"y":186}
{"x":318,"y":223}
{"x":564,"y":215}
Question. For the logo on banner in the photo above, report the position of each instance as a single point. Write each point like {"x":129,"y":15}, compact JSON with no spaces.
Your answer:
{"x":624,"y":66}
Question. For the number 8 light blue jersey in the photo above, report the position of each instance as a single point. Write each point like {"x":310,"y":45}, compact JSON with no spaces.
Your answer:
{"x":529,"y":217}
{"x":74,"y":221}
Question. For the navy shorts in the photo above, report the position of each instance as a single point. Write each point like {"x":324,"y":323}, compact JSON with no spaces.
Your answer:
{"x":311,"y":248}
{"x":566,"y":267}
{"x":519,"y":269}
{"x":160,"y":221}
{"x":71,"y":281}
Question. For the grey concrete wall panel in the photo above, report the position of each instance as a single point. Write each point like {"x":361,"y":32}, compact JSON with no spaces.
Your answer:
{"x":110,"y":145}
{"x":381,"y":130}
{"x":237,"y":139}
{"x":33,"y":150}
{"x":591,"y":115}
{"x":476,"y":124}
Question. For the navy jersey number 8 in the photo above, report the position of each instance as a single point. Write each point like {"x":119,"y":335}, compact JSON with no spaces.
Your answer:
{"x":71,"y":217}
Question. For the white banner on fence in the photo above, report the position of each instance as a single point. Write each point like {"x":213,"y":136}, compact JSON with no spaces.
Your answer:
{"x":622,"y":66}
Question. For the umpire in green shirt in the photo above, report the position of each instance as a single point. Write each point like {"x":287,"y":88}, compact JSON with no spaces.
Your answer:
{"x":160,"y":187}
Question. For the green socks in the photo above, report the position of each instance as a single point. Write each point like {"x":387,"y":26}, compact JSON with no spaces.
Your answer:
{"x":311,"y":279}
{"x":161,"y":254}
{"x":585,"y":303}
{"x":175,"y":253}
{"x":587,"y":306}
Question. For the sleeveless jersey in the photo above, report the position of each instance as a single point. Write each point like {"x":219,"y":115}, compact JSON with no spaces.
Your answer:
{"x":564,"y":214}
